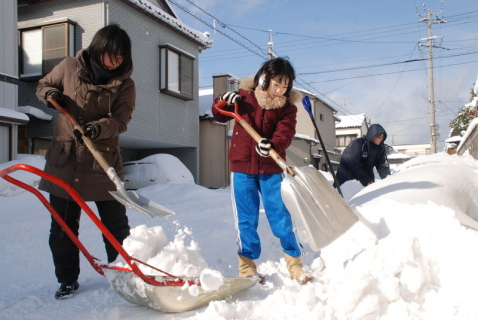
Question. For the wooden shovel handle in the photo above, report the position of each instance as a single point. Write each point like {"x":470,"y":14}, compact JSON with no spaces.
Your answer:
{"x":253,"y":133}
{"x":98,"y":156}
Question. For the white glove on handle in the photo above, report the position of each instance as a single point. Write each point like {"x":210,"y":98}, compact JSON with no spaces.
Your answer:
{"x":230,"y":97}
{"x":263,"y":147}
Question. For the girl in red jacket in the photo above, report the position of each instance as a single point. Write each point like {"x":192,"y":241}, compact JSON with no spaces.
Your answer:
{"x":267,"y":104}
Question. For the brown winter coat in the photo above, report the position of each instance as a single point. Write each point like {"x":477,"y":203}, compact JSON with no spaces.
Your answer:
{"x":110,"y":106}
{"x":274,"y":122}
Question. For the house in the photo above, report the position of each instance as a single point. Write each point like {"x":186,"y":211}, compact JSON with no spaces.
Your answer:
{"x":350,"y":128}
{"x":324,"y":117}
{"x":10,"y":117}
{"x":165,"y":59}
{"x":395,"y":158}
{"x":413,"y":150}
{"x":214,"y":136}
{"x":451,"y":144}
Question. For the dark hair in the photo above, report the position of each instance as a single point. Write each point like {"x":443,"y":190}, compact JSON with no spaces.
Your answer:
{"x":277,"y":67}
{"x":112,"y":40}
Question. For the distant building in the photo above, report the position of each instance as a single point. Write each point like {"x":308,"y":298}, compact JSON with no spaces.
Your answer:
{"x":451,"y":144}
{"x":307,"y":137}
{"x":395,"y":158}
{"x":350,"y":128}
{"x":413,"y":150}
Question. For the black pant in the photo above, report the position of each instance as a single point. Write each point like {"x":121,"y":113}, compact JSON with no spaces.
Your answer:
{"x":66,"y":255}
{"x":341,"y":178}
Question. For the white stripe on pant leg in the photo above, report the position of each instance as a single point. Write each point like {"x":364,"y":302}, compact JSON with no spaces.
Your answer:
{"x":234,"y":211}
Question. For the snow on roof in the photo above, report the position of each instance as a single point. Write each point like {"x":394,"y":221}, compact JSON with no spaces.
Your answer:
{"x":454,"y":139}
{"x":175,"y":23}
{"x":305,"y":137}
{"x":397,"y":155}
{"x":205,"y":102}
{"x":10,"y":113}
{"x":352,"y":121}
{"x":37,"y":113}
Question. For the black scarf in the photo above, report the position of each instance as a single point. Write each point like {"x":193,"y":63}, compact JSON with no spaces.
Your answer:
{"x":100,"y":74}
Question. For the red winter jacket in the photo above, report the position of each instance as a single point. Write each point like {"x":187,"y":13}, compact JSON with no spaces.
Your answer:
{"x":276,"y":124}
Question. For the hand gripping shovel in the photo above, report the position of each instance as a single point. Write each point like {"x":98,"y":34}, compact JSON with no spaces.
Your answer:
{"x":319,"y":213}
{"x":129,"y":198}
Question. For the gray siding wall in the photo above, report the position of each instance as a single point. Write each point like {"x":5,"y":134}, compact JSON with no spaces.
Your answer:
{"x":159,"y":117}
{"x":89,"y":19}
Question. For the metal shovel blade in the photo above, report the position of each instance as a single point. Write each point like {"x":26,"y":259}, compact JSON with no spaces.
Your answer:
{"x":137,"y":202}
{"x":319,"y":213}
{"x":171,"y":298}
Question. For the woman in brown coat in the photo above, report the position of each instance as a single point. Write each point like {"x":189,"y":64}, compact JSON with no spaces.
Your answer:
{"x":95,"y":86}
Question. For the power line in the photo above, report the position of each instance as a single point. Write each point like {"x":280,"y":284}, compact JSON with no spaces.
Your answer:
{"x":383,"y":64}
{"x":226,"y":26}
{"x":208,"y":24}
{"x":382,"y":74}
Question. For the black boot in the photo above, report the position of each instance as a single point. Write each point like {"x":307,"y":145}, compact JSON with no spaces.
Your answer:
{"x":67,"y":289}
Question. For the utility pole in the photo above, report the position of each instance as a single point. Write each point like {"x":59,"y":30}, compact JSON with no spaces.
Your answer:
{"x":270,"y":47}
{"x":431,"y":92}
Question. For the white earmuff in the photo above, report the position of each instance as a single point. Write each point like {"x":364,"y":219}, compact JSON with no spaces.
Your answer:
{"x":262,"y":81}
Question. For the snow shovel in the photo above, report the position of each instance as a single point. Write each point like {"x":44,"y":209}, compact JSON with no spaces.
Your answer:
{"x":131,"y":199}
{"x":163,"y":292}
{"x":308,"y":108}
{"x":319,"y":213}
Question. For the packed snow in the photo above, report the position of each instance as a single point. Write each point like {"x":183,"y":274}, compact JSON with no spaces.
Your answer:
{"x":412,"y":255}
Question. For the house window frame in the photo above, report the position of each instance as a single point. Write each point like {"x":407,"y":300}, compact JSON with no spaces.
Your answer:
{"x":167,"y":52}
{"x":344,"y":140}
{"x":68,"y":46}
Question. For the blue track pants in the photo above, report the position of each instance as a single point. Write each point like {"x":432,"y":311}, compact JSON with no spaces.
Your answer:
{"x":246,"y":192}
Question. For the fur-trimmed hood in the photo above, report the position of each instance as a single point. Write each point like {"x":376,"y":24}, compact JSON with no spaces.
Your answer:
{"x":264,"y":100}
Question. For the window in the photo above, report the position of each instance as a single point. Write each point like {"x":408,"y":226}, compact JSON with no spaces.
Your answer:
{"x":43,"y":47}
{"x":322,"y":117}
{"x":177,"y":72}
{"x":344,"y":140}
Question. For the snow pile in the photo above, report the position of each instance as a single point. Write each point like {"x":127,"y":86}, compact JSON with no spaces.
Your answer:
{"x":409,"y":257}
{"x":157,"y":168}
{"x":176,"y":258}
{"x":7,"y":189}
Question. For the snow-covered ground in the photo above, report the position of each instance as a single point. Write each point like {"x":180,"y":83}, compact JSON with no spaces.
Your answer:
{"x":409,"y":257}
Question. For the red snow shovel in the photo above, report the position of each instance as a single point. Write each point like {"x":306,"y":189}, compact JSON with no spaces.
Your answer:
{"x":131,"y":199}
{"x":319,"y":213}
{"x":164,"y":292}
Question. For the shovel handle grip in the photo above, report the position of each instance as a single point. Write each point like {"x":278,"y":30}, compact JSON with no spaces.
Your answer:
{"x":253,"y":133}
{"x":98,"y":156}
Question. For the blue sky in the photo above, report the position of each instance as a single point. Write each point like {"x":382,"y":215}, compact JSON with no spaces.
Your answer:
{"x":352,"y":54}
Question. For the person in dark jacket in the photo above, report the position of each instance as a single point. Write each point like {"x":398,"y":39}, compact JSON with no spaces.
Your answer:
{"x":267,"y":103}
{"x":362,"y":155}
{"x":96,"y":88}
